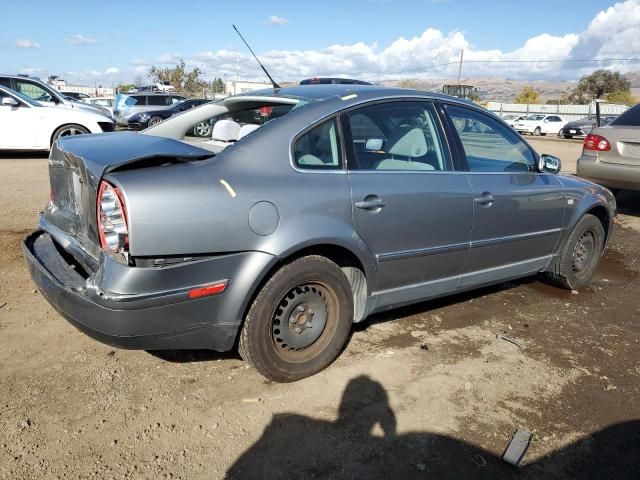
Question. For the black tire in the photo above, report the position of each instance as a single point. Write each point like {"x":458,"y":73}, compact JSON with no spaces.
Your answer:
{"x":537,"y":131}
{"x":568,"y":136}
{"x":300,"y":320}
{"x":154,"y":120}
{"x":68,"y":130}
{"x":579,"y":257}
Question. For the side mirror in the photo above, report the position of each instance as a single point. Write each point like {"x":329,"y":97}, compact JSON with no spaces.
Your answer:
{"x":373,"y":144}
{"x":546,"y":120}
{"x":549,"y":164}
{"x":10,"y":102}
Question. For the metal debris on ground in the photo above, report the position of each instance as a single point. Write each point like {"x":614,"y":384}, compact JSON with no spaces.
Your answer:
{"x":510,"y":340}
{"x":517,"y":448}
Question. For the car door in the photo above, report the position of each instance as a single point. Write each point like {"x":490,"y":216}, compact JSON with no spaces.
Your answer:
{"x":410,"y":207}
{"x":21,"y":127}
{"x":518,"y":212}
{"x":552,"y":124}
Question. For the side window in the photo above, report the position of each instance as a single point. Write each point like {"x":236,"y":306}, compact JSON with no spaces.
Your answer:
{"x":33,"y":91}
{"x":397,"y":136}
{"x":6,"y":82}
{"x":158,"y":100}
{"x":318,"y":149}
{"x":490,"y":146}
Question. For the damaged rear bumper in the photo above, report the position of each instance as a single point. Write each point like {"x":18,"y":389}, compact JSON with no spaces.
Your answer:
{"x":146,"y":308}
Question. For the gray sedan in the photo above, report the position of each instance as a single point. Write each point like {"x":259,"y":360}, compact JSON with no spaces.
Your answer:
{"x":309,"y":209}
{"x":611,"y":154}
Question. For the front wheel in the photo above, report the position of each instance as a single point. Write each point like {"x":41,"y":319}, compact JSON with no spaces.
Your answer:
{"x":568,"y":136}
{"x":300,"y":320}
{"x":154,"y":121}
{"x":577,"y":262}
{"x":537,"y":132}
{"x":67,"y":131}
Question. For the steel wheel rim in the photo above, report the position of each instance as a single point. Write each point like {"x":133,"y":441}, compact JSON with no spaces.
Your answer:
{"x":67,"y":132}
{"x":583,"y":253}
{"x":203,"y":129}
{"x":304,"y":321}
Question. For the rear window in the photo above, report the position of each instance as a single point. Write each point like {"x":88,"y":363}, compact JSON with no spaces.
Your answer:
{"x":630,"y":118}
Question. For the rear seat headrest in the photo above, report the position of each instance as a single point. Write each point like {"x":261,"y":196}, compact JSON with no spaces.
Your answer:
{"x":226,"y":131}
{"x":247,"y":129}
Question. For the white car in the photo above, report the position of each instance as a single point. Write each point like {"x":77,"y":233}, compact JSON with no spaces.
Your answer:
{"x":512,"y":119}
{"x":541,"y":124}
{"x":165,"y":87}
{"x":26,"y":124}
{"x":105,"y":102}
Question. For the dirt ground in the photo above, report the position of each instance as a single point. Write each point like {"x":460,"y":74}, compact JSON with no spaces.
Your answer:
{"x":422,"y":392}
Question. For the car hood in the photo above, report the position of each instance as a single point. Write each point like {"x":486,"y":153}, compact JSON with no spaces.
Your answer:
{"x":580,"y":124}
{"x":82,"y":107}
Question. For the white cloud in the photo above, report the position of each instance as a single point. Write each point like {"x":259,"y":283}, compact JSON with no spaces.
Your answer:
{"x":139,"y":61}
{"x":613,"y":33}
{"x":25,"y":43}
{"x":111,"y":71}
{"x":276,"y":20}
{"x":80,"y":39}
{"x":167,"y":58}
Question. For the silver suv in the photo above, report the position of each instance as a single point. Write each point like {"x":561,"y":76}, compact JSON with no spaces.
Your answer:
{"x":127,"y":105}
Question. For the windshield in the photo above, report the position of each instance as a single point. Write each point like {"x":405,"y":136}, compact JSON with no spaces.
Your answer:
{"x":535,"y":117}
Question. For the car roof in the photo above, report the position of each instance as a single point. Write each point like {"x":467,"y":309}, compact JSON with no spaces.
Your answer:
{"x":326,"y":91}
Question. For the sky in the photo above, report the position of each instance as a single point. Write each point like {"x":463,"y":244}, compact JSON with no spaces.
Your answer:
{"x":100,"y":42}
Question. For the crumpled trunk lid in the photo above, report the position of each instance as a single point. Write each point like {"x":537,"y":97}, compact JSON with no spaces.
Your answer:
{"x":76,"y":166}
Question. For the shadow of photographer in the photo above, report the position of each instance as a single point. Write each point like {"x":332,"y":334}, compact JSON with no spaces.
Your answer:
{"x":298,"y":447}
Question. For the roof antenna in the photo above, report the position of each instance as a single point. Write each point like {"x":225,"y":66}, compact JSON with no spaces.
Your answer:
{"x":273,"y":82}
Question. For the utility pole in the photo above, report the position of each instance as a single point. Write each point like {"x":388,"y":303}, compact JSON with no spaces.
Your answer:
{"x":460,"y":66}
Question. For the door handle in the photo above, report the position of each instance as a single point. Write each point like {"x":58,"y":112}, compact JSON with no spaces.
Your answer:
{"x":371,"y":202}
{"x":485,"y":200}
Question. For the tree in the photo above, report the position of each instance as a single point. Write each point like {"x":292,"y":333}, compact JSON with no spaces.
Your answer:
{"x":218,"y":85}
{"x":528,"y":94}
{"x":189,"y":83}
{"x":600,"y":83}
{"x":622,"y":97}
{"x":124,"y":87}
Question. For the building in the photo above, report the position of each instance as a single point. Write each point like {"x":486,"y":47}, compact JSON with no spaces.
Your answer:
{"x":95,"y":91}
{"x":233,"y":87}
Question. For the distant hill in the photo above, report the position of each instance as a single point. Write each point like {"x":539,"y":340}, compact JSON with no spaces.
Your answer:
{"x":504,"y":89}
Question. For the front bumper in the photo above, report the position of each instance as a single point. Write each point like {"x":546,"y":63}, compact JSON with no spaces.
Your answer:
{"x":137,"y":125}
{"x":147,"y":308}
{"x":610,"y":175}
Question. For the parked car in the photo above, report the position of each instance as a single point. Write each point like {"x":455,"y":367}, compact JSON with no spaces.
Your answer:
{"x":511,"y":120}
{"x":611,"y":153}
{"x":28,"y":125}
{"x":580,"y":128}
{"x":140,"y":121}
{"x":125,"y":106}
{"x":358,"y":200}
{"x":83,"y":97}
{"x":540,"y":124}
{"x":41,"y":92}
{"x":165,"y":87}
{"x":105,"y":102}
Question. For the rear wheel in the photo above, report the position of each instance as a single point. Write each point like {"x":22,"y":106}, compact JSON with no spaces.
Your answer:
{"x":67,"y":131}
{"x":568,"y":136}
{"x":537,"y":132}
{"x":203,"y":129}
{"x":300,"y":320}
{"x":577,"y":262}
